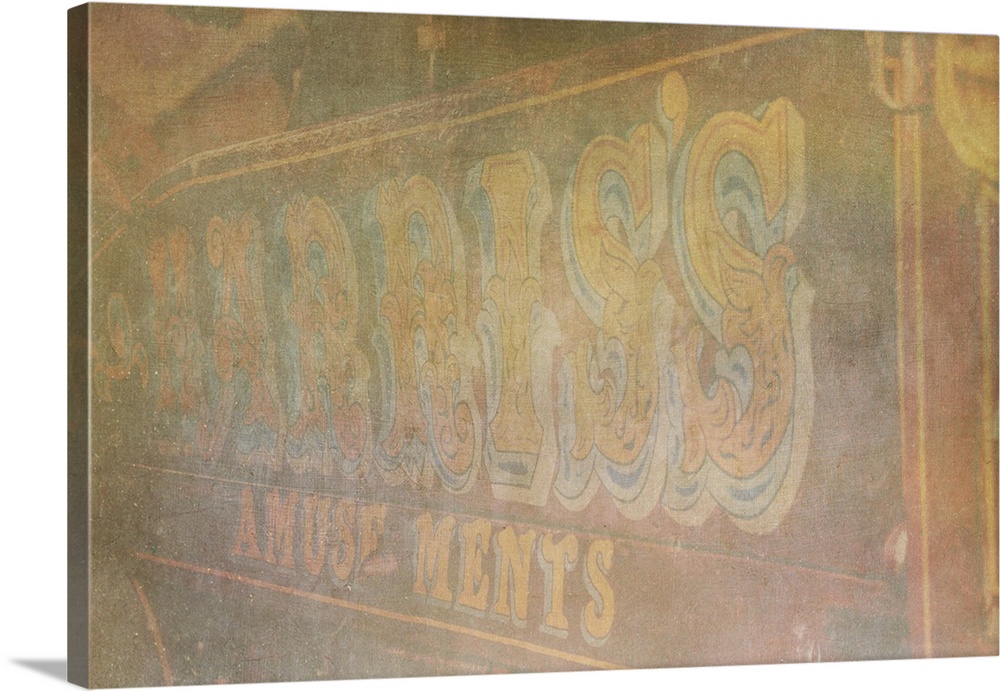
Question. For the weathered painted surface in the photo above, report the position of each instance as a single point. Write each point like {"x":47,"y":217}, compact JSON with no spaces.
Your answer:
{"x":679,"y":352}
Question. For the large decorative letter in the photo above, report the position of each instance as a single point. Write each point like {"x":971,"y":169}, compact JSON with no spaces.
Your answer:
{"x":330,"y":410}
{"x":614,"y":420}
{"x":425,"y":353}
{"x":242,"y":350}
{"x":180,"y":348}
{"x":509,"y":197}
{"x":745,"y":371}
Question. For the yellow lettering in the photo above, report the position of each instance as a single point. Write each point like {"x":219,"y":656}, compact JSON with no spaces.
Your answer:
{"x":616,"y":421}
{"x":432,"y":556}
{"x":556,"y":559}
{"x":513,"y":573}
{"x":599,"y":613}
{"x":424,"y":303}
{"x":510,"y":199}
{"x":639,"y":161}
{"x":475,"y":536}
{"x":746,"y":277}
{"x":508,"y":181}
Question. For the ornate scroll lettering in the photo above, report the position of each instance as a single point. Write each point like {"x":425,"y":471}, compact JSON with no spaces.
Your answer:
{"x":117,"y":353}
{"x":422,"y":345}
{"x":329,"y":411}
{"x":509,"y":197}
{"x":242,"y":352}
{"x":180,"y":347}
{"x":613,"y":412}
{"x":745,"y":369}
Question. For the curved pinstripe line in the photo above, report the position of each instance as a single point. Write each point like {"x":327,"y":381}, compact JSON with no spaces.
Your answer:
{"x":442,"y":125}
{"x":378,"y":611}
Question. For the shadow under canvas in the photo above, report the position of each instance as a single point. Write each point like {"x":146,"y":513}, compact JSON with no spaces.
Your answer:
{"x":51,"y":668}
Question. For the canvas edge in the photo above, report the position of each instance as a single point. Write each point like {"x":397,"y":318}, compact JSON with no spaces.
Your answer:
{"x":78,"y":394}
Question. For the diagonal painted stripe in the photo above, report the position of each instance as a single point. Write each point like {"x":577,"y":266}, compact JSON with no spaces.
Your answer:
{"x":155,"y":630}
{"x":379,"y":612}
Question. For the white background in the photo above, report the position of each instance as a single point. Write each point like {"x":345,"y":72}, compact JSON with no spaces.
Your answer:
{"x":33,"y":335}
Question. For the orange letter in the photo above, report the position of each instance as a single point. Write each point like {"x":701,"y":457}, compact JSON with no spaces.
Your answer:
{"x":281,"y":528}
{"x":316,"y":527}
{"x":246,"y":537}
{"x":343,"y":559}
{"x":372,"y":521}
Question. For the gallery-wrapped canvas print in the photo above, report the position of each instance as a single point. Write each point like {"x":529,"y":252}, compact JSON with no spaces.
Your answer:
{"x":426,"y":345}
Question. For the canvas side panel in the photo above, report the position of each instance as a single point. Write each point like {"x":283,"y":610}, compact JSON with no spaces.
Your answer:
{"x":78,"y":418}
